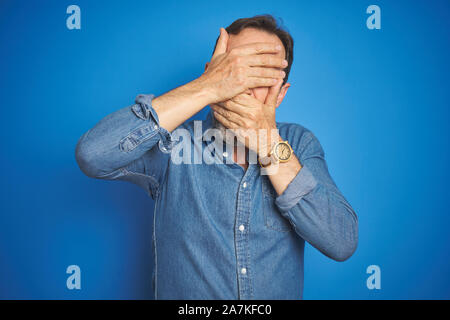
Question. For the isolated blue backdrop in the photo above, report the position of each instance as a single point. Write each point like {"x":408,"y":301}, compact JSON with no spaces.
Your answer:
{"x":378,"y":100}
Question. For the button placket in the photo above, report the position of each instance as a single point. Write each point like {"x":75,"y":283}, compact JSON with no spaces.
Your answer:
{"x":242,"y":237}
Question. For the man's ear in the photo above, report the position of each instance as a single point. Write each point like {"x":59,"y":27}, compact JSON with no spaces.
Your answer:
{"x":282,"y":93}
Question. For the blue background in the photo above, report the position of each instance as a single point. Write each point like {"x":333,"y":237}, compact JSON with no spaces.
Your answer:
{"x":378,"y":100}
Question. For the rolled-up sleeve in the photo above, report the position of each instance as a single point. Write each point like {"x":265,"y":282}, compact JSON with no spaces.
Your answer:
{"x":143,"y":109}
{"x":303,"y":183}
{"x":121,"y":139}
{"x":316,"y":208}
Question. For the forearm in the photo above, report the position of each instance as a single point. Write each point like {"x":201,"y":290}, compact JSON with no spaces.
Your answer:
{"x":322,"y":217}
{"x":284,"y":173}
{"x":120,"y":138}
{"x":314,"y":205}
{"x":178,"y":105}
{"x":319,"y":212}
{"x":127,"y":134}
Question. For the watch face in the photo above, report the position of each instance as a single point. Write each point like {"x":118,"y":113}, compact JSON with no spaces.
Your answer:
{"x":283,"y":151}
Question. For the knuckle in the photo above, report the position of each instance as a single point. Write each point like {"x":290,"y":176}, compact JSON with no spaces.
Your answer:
{"x":237,"y":99}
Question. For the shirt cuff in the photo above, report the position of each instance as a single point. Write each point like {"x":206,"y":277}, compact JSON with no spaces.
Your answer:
{"x":143,"y":109}
{"x":303,"y":183}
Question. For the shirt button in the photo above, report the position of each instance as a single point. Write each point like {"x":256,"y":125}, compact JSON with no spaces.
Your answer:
{"x":155,"y":127}
{"x":243,"y":271}
{"x":241,"y":228}
{"x":225,"y":154}
{"x":245,"y":185}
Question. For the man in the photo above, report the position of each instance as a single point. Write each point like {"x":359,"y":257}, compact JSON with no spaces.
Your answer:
{"x":223,"y":229}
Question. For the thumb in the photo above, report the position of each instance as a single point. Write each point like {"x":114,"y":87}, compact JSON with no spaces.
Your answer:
{"x":272,"y":96}
{"x":221,"y":46}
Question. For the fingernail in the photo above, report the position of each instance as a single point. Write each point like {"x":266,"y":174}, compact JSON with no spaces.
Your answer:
{"x":283,"y":74}
{"x":285,"y":63}
{"x":278,"y":47}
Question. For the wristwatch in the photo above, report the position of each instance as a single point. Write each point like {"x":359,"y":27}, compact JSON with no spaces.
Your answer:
{"x":280,"y":152}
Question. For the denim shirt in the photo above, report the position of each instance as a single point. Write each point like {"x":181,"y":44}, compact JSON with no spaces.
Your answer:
{"x":222,"y":232}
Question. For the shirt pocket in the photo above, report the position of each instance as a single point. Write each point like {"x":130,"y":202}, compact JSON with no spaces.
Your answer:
{"x":272,"y":216}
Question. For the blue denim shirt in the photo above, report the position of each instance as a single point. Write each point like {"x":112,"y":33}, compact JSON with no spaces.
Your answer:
{"x":222,"y":232}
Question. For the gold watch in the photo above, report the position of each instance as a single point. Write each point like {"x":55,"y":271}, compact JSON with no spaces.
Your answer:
{"x":280,"y":152}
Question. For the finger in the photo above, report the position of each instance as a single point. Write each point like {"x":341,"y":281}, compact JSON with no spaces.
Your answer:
{"x":231,"y":107}
{"x":266,"y":72}
{"x":221,"y":46}
{"x":227,"y":123}
{"x":257,"y":48}
{"x":272,"y":96}
{"x":254,"y":82}
{"x":246,"y":101}
{"x":266,"y":60}
{"x":212,"y":105}
{"x":219,"y":104}
{"x":230,"y":115}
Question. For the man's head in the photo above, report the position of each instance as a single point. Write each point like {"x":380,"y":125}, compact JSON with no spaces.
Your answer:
{"x":262,"y":28}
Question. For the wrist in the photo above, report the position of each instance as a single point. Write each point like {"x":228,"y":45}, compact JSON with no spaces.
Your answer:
{"x":266,"y":148}
{"x":205,"y":90}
